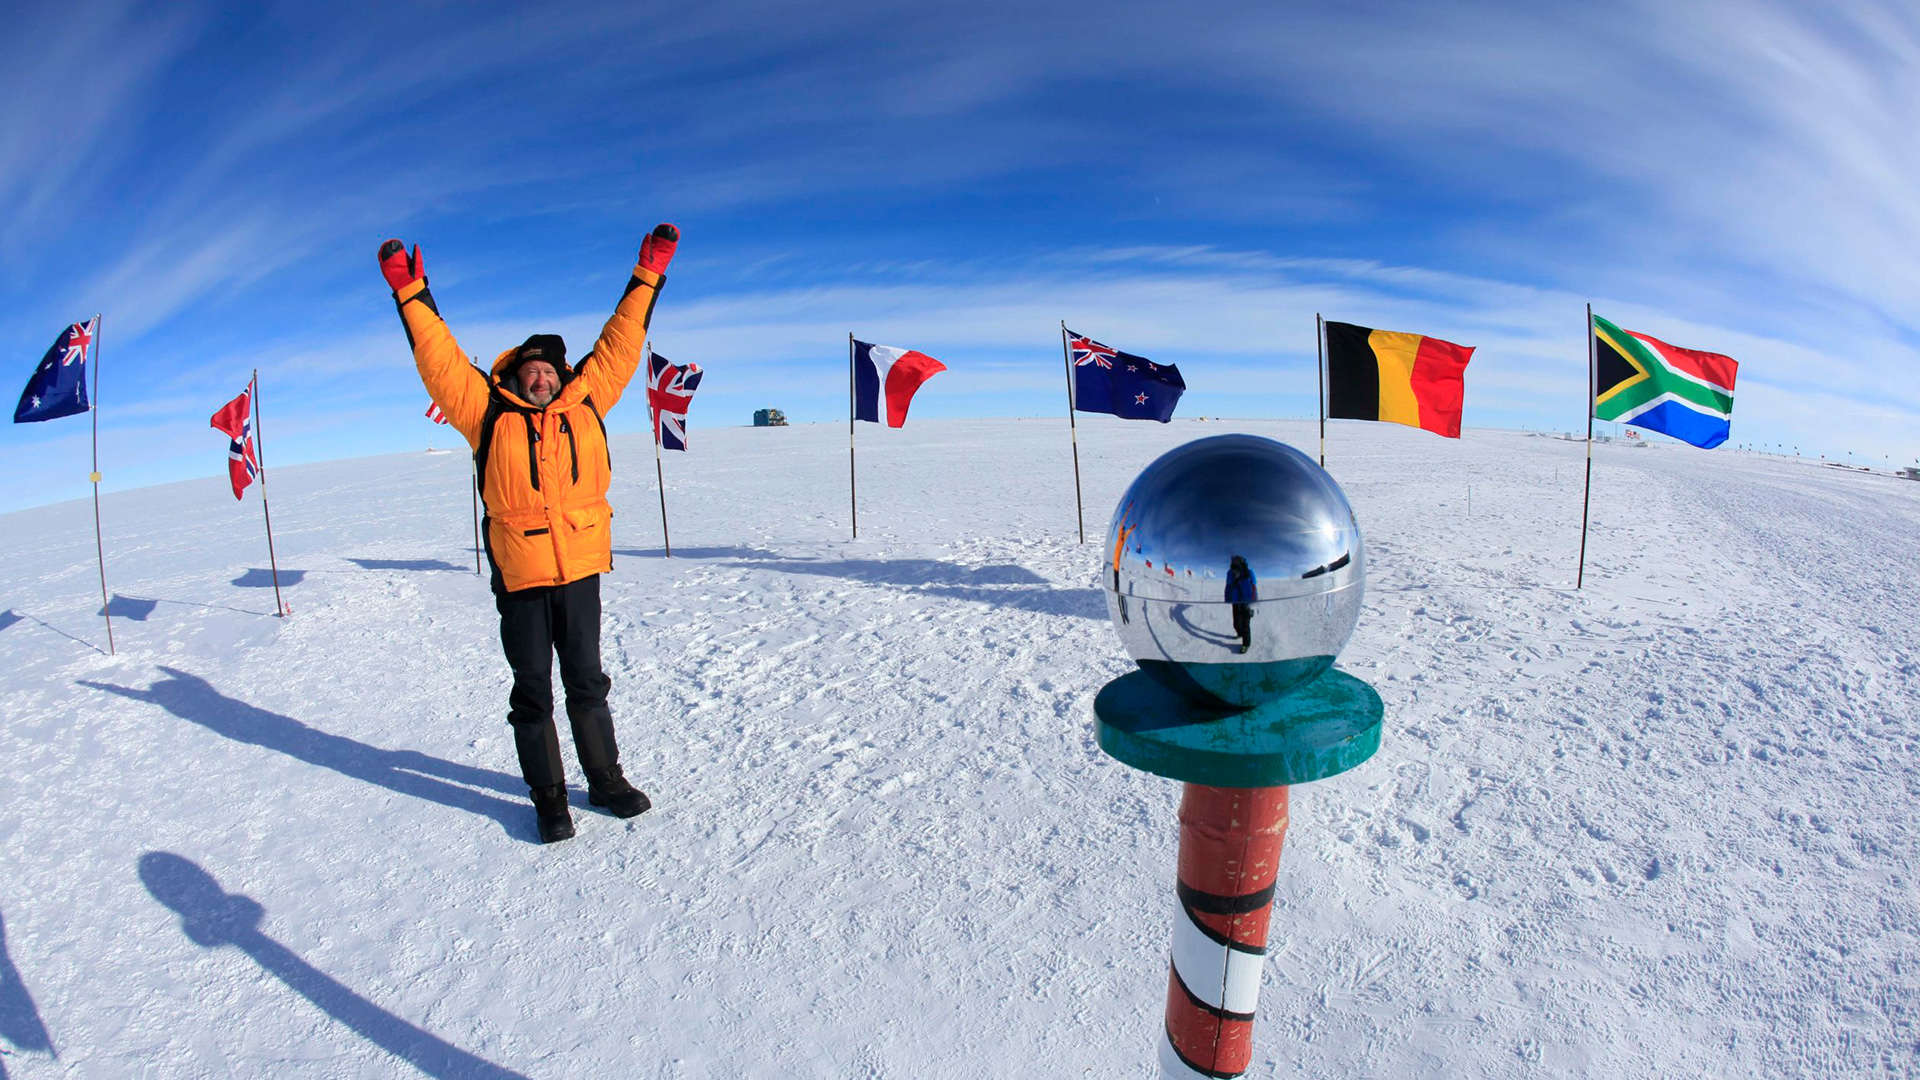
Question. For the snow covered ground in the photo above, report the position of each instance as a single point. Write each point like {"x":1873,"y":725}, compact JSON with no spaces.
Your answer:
{"x":1664,"y":826}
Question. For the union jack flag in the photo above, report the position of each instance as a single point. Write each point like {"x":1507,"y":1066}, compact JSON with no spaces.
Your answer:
{"x":669,"y":391}
{"x":79,"y":336}
{"x":1088,"y":351}
{"x":235,"y":420}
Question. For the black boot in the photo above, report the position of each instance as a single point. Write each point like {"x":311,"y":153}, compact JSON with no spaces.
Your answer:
{"x":607,"y":787}
{"x":550,"y":804}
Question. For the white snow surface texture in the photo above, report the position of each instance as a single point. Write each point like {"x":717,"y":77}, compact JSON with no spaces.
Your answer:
{"x":1663,"y":826}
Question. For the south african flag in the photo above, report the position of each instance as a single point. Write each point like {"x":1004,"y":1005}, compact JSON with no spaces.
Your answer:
{"x":1648,"y":383}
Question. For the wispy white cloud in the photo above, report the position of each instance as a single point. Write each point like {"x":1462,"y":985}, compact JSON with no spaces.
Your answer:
{"x":1732,"y":174}
{"x":72,"y":80}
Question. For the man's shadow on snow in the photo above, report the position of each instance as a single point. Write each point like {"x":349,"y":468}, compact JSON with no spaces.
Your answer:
{"x":408,"y":772}
{"x":212,"y":917}
{"x":20,"y":1022}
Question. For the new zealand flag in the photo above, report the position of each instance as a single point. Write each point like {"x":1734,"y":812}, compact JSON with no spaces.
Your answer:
{"x":1128,"y":386}
{"x":59,"y":385}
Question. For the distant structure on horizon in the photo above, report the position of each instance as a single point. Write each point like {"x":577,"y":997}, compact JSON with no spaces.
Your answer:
{"x":769,"y":418}
{"x":1911,"y":472}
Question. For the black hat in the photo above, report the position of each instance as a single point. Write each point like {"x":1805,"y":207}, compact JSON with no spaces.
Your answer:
{"x":547,"y":347}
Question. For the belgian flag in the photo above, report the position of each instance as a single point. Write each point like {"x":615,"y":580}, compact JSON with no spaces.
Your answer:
{"x":1407,"y":379}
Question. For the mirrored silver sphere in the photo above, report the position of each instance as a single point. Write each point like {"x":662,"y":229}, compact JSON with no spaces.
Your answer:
{"x":1234,"y":570}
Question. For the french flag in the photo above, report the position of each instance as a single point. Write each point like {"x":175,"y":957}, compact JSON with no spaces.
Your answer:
{"x":881,"y":372}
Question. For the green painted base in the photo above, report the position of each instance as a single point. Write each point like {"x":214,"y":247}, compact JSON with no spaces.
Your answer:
{"x":1322,"y":728}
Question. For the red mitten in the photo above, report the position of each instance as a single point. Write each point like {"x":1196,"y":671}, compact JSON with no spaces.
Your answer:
{"x":399,"y":268}
{"x":656,"y":251}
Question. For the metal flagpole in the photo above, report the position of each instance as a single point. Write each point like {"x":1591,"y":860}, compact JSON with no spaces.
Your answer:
{"x":853,"y":483}
{"x":658,"y":474}
{"x":1320,"y":346}
{"x":99,"y":545}
{"x":474,"y":490}
{"x":1072,"y":433}
{"x":260,"y":459}
{"x":1586,"y":499}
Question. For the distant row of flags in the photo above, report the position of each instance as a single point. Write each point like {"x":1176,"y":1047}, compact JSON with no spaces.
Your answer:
{"x":1366,"y":374}
{"x":1383,"y":375}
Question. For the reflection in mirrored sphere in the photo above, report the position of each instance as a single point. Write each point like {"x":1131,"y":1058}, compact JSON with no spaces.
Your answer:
{"x":1234,"y":569}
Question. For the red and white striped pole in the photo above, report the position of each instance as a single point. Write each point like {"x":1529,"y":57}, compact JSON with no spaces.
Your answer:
{"x":1230,"y":840}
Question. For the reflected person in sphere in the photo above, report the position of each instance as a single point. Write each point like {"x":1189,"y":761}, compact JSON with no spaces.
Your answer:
{"x":1242,"y":591}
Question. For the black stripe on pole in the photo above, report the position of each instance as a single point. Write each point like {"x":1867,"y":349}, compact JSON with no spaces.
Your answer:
{"x":1213,"y":904}
{"x":1220,"y":939}
{"x":1211,"y":1010}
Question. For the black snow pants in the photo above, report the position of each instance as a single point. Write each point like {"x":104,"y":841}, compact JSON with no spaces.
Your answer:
{"x":1243,"y":625}
{"x":535,"y":625}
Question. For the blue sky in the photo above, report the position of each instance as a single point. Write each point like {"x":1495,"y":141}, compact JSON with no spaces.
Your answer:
{"x":1191,"y":183}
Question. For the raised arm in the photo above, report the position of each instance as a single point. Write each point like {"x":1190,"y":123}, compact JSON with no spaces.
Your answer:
{"x":454,"y":384}
{"x":606,"y":370}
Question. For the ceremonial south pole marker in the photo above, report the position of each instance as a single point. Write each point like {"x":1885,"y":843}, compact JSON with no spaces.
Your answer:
{"x":1234,"y":572}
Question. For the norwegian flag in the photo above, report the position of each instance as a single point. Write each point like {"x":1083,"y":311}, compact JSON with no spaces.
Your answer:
{"x":434,"y":414}
{"x":235,"y":420}
{"x":669,"y":392}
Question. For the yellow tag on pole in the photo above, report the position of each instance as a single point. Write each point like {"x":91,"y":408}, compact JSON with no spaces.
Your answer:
{"x":94,"y":476}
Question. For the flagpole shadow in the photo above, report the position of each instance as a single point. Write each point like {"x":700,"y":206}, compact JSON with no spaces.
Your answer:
{"x":70,"y":637}
{"x":212,"y":917}
{"x":157,"y":600}
{"x":130,"y":608}
{"x":258,"y":578}
{"x":407,"y":772}
{"x":20,"y":1022}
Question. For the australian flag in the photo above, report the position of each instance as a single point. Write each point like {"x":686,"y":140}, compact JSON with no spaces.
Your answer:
{"x":59,"y":385}
{"x":1128,"y":386}
{"x":669,"y":391}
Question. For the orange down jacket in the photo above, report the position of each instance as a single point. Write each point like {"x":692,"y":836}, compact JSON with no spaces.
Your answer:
{"x":547,"y":469}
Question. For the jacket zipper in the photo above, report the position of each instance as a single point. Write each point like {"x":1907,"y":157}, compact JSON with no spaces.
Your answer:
{"x":533,"y":450}
{"x":573,"y":449}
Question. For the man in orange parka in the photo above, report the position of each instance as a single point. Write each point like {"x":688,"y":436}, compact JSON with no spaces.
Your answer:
{"x":539,"y":435}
